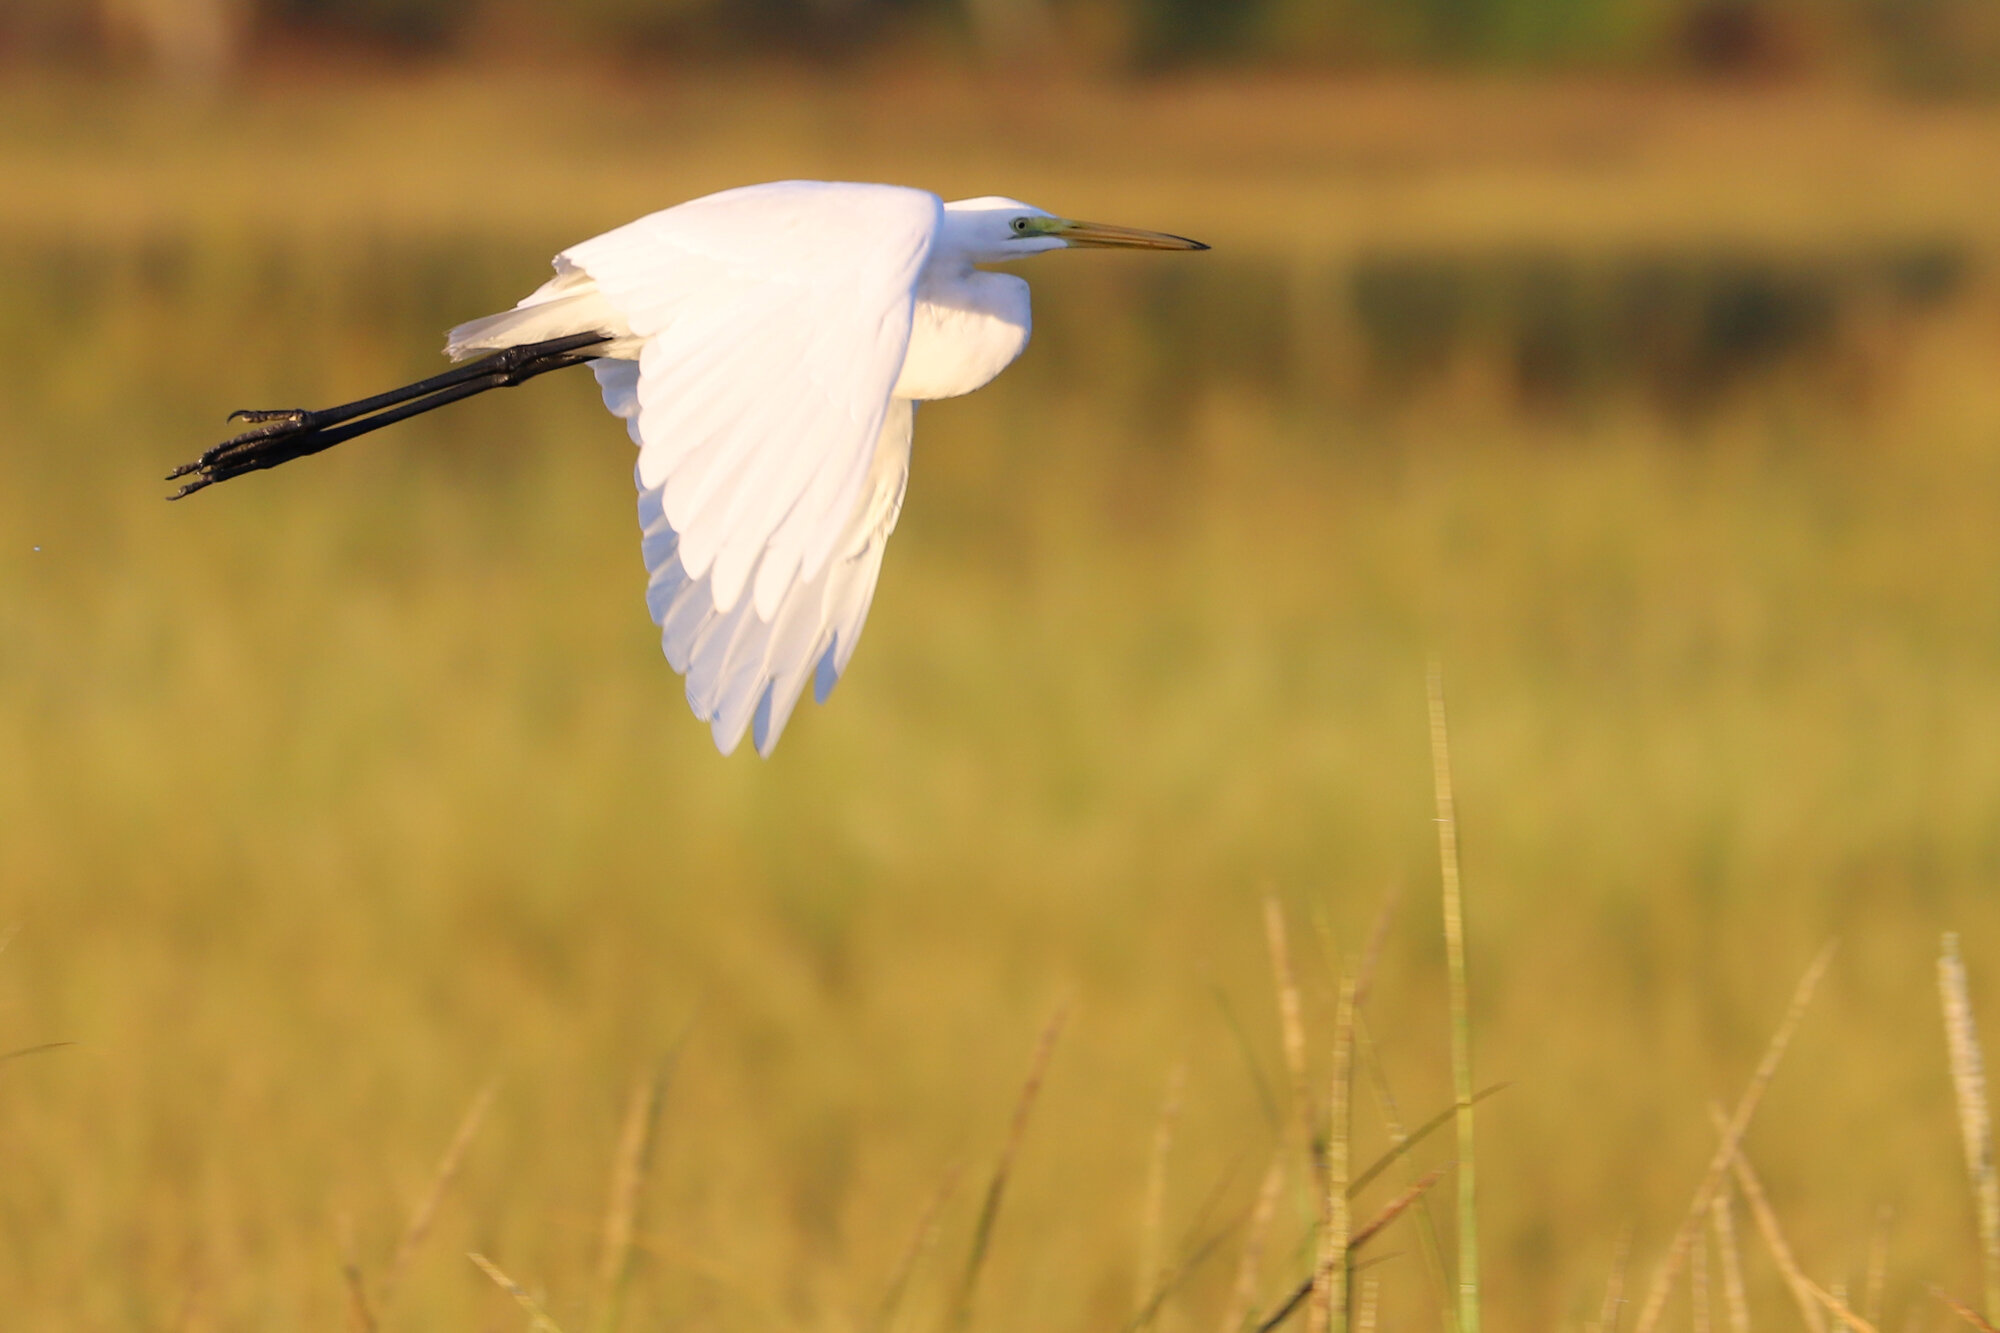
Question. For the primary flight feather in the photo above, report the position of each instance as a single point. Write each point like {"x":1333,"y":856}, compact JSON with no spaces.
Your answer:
{"x":765,"y":347}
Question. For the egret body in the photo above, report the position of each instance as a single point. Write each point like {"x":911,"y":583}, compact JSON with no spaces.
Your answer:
{"x":766,"y":348}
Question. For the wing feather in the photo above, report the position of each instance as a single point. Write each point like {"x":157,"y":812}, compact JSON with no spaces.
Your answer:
{"x":744,"y":670}
{"x":775,"y":320}
{"x":771,"y":324}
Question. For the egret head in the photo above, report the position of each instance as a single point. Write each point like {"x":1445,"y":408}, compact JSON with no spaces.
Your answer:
{"x":992,"y":230}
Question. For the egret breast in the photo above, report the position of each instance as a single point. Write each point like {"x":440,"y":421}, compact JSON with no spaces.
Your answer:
{"x":964,"y":333}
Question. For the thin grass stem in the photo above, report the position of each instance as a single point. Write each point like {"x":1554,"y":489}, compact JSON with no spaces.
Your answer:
{"x":1700,"y":1310}
{"x":1361,"y":1237}
{"x":921,"y":1241}
{"x":1975,"y":1118}
{"x":360,"y":1310}
{"x":39,"y":1048}
{"x":1614,"y":1284}
{"x":1964,"y":1311}
{"x":1243,"y":1291}
{"x":1328,"y":1312}
{"x":1838,"y":1295}
{"x":1734,"y":1298}
{"x":1732,"y":1139}
{"x":1371,"y":956}
{"x":1291,"y":1024}
{"x":1400,"y":1143}
{"x":1878,"y":1265}
{"x":360,"y":1317}
{"x":538,"y":1318}
{"x":1364,"y":1310}
{"x":1273,"y":1116}
{"x":630,"y":1166}
{"x":1152,"y":1217}
{"x":1766,"y":1218}
{"x":1835,"y":1303}
{"x":1395,"y":1208}
{"x":424,"y":1215}
{"x":996,"y":1188}
{"x":1172,"y":1278}
{"x":1461,"y":1021}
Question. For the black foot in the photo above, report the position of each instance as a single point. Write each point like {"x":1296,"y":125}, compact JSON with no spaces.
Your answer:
{"x":278,"y":435}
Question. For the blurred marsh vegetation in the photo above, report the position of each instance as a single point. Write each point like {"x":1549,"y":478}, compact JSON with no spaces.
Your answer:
{"x":1663,"y":415}
{"x":1928,"y":45}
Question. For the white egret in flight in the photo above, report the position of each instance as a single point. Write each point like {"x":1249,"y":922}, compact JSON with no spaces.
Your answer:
{"x":766,"y":347}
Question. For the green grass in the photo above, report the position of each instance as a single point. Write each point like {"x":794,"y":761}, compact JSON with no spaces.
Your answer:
{"x":336,"y":793}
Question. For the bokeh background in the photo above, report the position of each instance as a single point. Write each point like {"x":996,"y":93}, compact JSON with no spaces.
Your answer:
{"x":1634,"y":359}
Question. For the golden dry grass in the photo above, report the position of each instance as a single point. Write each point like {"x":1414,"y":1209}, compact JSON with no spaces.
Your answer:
{"x":338,"y":793}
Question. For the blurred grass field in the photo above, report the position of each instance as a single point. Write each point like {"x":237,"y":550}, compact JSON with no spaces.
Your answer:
{"x":1665,"y":419}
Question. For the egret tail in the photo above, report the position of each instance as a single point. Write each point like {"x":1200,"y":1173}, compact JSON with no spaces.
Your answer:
{"x":284,"y":434}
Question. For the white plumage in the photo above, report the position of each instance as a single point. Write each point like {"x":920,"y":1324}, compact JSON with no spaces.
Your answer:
{"x":768,"y":347}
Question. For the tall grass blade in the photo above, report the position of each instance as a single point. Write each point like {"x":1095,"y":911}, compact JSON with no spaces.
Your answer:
{"x":1172,"y":1279}
{"x":360,"y":1317}
{"x":996,"y":1188}
{"x":1975,"y":1119}
{"x":1836,"y":1305}
{"x":1405,"y":1142}
{"x":1732,"y":1139}
{"x":1878,"y":1265}
{"x":360,"y":1312}
{"x":920,"y":1244}
{"x":1394,"y":1209}
{"x":1273,"y":1116}
{"x":1964,"y":1311}
{"x":38,"y":1048}
{"x":538,"y":1318}
{"x":361,"y":1309}
{"x":1198,"y":1251}
{"x":1291,"y":1023}
{"x":1152,"y":1217}
{"x":1614,"y":1284}
{"x":1734,"y":1299}
{"x":1461,"y":1020}
{"x":424,"y":1214}
{"x":1364,"y":1312}
{"x":1766,"y":1219}
{"x":1243,"y":1291}
{"x":1371,"y":956}
{"x":1700,"y":1309}
{"x":630,"y":1166}
{"x":1328,"y":1313}
{"x":1400,"y":1143}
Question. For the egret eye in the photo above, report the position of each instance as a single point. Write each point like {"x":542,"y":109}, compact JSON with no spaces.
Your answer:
{"x":1020,"y":226}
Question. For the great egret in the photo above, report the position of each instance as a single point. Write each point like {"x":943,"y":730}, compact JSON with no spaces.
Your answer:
{"x":766,"y":348}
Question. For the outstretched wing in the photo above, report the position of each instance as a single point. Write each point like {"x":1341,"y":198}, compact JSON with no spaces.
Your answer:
{"x":743,"y":668}
{"x":772,"y":457}
{"x":774,"y":321}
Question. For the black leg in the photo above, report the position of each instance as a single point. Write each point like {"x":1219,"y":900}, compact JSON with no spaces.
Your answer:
{"x":282,"y":435}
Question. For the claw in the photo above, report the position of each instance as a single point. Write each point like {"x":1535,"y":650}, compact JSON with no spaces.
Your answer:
{"x":221,"y":461}
{"x":269,"y":427}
